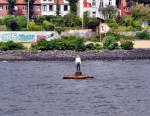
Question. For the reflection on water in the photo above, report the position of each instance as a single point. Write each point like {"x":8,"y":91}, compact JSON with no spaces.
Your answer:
{"x":120,"y":88}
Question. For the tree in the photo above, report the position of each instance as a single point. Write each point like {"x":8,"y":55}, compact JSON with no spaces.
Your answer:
{"x":73,"y":5}
{"x":11,"y":6}
{"x":141,"y":11}
{"x":108,"y":11}
{"x":31,"y":6}
{"x":57,"y":8}
{"x":72,"y":20}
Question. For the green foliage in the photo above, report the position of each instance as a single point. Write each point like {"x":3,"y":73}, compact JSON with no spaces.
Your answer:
{"x":122,"y":29}
{"x":48,"y":26}
{"x":21,"y":21}
{"x":71,"y":20}
{"x":112,"y":23}
{"x":2,"y":21}
{"x":93,"y":23}
{"x":59,"y":29}
{"x":34,"y":27}
{"x":86,"y":18}
{"x":10,"y":45}
{"x":93,"y":46}
{"x":73,"y":5}
{"x":3,"y":28}
{"x":136,"y":24}
{"x":15,"y":23}
{"x":143,"y":35}
{"x":140,"y":11}
{"x":126,"y":44}
{"x":10,"y":22}
{"x":11,"y":6}
{"x":65,"y":43}
{"x":110,"y":42}
{"x":128,"y":20}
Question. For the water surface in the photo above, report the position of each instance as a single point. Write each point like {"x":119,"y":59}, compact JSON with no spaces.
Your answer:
{"x":120,"y":88}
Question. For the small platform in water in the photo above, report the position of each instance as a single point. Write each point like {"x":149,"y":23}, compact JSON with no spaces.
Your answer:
{"x":75,"y":76}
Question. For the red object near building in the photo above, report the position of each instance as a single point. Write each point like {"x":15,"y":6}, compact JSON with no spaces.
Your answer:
{"x":87,"y":4}
{"x":21,"y":7}
{"x":124,"y":9}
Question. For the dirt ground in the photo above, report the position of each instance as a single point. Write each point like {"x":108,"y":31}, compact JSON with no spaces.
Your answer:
{"x":142,"y":44}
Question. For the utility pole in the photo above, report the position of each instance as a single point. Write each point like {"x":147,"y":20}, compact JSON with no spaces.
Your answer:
{"x":28,"y":14}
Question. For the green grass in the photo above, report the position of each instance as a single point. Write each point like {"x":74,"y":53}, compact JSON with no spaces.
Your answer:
{"x":3,"y":28}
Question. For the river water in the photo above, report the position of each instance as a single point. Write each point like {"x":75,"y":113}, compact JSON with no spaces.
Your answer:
{"x":120,"y":88}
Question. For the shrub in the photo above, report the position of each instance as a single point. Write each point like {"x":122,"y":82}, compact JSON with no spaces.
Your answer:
{"x":93,"y":46}
{"x":48,"y":26}
{"x":126,"y":44}
{"x":110,"y":42}
{"x":21,"y":21}
{"x":136,"y":24}
{"x":1,"y":21}
{"x":90,"y":46}
{"x":11,"y":23}
{"x":143,"y":35}
{"x":65,"y":43}
{"x":10,"y":45}
{"x":59,"y":29}
{"x":112,"y":23}
{"x":34,"y":27}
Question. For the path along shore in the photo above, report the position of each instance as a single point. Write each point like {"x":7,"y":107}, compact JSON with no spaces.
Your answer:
{"x":56,"y":55}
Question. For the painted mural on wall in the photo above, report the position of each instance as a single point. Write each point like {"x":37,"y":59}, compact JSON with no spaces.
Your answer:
{"x":26,"y":36}
{"x":81,"y":33}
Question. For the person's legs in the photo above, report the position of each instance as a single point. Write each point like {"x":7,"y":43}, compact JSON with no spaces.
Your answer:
{"x":77,"y":67}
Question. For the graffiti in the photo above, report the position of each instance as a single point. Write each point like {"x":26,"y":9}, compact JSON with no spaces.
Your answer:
{"x":80,"y":33}
{"x":26,"y":36}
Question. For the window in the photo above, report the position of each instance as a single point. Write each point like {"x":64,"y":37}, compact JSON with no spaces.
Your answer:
{"x":6,"y":7}
{"x":1,"y":7}
{"x":110,"y":2}
{"x":65,"y":7}
{"x":44,"y":7}
{"x":94,"y":3}
{"x":50,"y":7}
{"x":101,"y":4}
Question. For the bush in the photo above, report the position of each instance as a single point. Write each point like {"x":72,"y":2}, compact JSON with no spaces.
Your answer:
{"x":21,"y":21}
{"x":48,"y":26}
{"x":59,"y":29}
{"x":11,"y":23}
{"x":10,"y":45}
{"x":143,"y":35}
{"x":137,"y":24}
{"x":110,"y":42}
{"x":112,"y":23}
{"x":126,"y":44}
{"x":90,"y":46}
{"x":1,"y":21}
{"x":34,"y":27}
{"x":93,"y":46}
{"x":65,"y":43}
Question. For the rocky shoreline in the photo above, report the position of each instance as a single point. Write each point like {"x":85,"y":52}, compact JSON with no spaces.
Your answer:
{"x":56,"y":55}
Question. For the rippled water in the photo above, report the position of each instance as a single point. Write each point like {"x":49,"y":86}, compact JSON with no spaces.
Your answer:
{"x":120,"y":88}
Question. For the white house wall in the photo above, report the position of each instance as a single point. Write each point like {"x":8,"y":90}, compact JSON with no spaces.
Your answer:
{"x":93,"y":9}
{"x":47,"y":11}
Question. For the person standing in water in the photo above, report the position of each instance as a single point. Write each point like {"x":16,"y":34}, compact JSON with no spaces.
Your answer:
{"x":78,"y":64}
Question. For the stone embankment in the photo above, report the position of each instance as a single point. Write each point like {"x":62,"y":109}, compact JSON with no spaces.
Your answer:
{"x":57,"y":55}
